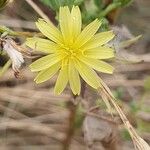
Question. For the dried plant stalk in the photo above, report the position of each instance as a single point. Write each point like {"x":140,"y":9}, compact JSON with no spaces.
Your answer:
{"x":138,"y":142}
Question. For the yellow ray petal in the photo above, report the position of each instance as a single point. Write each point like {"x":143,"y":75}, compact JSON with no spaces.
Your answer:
{"x":76,"y":21}
{"x":99,"y":39}
{"x":45,"y":62}
{"x":62,"y":79}
{"x":74,"y":78}
{"x":100,"y":53}
{"x":42,"y":45}
{"x":49,"y":30}
{"x":47,"y":73}
{"x":88,"y":74}
{"x":87,"y":33}
{"x":65,"y":23}
{"x":97,"y":64}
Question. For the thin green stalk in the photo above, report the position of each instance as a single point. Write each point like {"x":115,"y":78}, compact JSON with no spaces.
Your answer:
{"x":108,"y":9}
{"x":22,"y":34}
{"x":71,"y":125}
{"x":5,"y":68}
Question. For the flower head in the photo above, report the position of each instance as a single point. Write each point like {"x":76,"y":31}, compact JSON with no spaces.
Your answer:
{"x":71,"y":52}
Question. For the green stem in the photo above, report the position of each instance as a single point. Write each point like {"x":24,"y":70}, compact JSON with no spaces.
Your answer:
{"x":108,"y":9}
{"x":23,"y":34}
{"x":5,"y":68}
{"x":71,"y":125}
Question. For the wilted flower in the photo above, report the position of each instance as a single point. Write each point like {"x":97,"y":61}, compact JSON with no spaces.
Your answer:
{"x":16,"y":57}
{"x":71,"y":51}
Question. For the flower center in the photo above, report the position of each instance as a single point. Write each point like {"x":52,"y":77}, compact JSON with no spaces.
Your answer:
{"x":71,"y":53}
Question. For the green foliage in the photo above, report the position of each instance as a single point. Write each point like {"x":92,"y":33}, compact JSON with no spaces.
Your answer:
{"x":118,"y":93}
{"x":78,"y":2}
{"x":147,"y":84}
{"x":99,"y":4}
{"x":123,"y":2}
{"x":5,"y":68}
{"x":105,"y":25}
{"x":143,"y":126}
{"x":90,"y":9}
{"x":125,"y":135}
{"x":79,"y":117}
{"x":55,"y":4}
{"x":3,"y":3}
{"x":134,"y":107}
{"x":4,"y":31}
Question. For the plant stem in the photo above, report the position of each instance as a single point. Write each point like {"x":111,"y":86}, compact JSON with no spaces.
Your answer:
{"x":71,"y":127}
{"x":5,"y":68}
{"x":108,"y":9}
{"x":14,"y":33}
{"x":138,"y":142}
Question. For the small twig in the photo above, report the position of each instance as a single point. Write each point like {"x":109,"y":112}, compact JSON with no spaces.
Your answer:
{"x":101,"y":117}
{"x":37,"y":9}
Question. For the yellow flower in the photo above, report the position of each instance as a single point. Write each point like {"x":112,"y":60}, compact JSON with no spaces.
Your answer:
{"x":71,"y":52}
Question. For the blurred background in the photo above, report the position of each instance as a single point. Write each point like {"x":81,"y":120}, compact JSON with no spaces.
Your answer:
{"x":33,"y":118}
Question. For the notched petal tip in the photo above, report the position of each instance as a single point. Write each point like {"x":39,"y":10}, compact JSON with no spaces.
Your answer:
{"x":39,"y":21}
{"x":64,"y":9}
{"x":98,"y":21}
{"x":37,"y":82}
{"x":112,"y":33}
{"x":75,"y":8}
{"x":32,"y":68}
{"x":87,"y":33}
{"x":111,"y":71}
{"x":57,"y":92}
{"x":30,"y":42}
